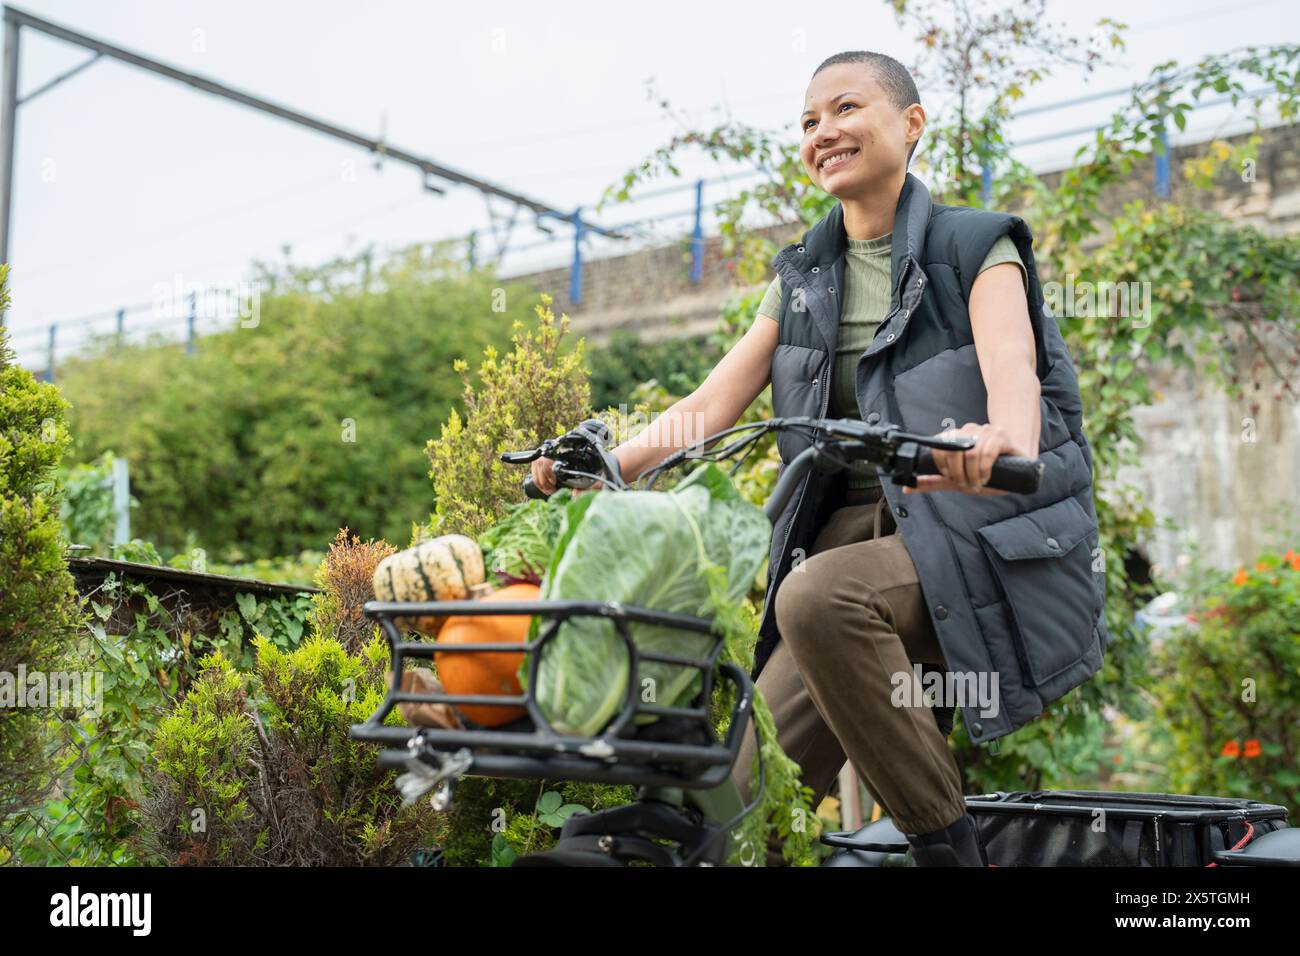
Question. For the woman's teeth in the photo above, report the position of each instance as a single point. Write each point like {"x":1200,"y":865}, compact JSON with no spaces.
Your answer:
{"x":838,"y":160}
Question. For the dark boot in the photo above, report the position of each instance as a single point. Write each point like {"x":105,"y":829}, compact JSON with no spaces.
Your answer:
{"x":958,"y":844}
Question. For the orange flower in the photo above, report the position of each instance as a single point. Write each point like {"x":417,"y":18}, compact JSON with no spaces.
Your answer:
{"x":1290,"y":555}
{"x":1295,"y":562}
{"x":1230,"y":749}
{"x":1240,"y":577}
{"x":1117,"y":759}
{"x":1252,"y":748}
{"x":1261,"y":566}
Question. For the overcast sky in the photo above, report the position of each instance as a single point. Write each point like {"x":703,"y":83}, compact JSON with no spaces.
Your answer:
{"x":125,"y":179}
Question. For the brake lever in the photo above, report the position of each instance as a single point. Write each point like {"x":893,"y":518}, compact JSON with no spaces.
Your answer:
{"x":853,"y":428}
{"x":520,"y":457}
{"x":963,"y":443}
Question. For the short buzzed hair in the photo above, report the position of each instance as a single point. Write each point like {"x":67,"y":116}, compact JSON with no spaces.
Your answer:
{"x":892,"y":76}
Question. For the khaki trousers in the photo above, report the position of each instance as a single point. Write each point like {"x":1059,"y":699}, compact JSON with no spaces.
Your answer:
{"x":851,"y":617}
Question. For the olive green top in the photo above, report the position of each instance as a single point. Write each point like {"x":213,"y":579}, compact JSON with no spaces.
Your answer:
{"x":866,"y":302}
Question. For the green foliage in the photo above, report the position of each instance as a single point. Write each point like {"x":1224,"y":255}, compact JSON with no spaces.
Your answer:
{"x":296,"y":569}
{"x":680,"y":365}
{"x":39,"y":609}
{"x":537,"y":391}
{"x":146,"y":649}
{"x":87,"y":508}
{"x":203,"y":744}
{"x":985,"y":61}
{"x":137,"y":550}
{"x":521,"y":544}
{"x":533,"y":832}
{"x":258,"y":769}
{"x":1227,"y":691}
{"x":1068,"y":213}
{"x":481,"y":808}
{"x":1215,"y":287}
{"x":270,"y":437}
{"x":550,"y":805}
{"x":785,"y":806}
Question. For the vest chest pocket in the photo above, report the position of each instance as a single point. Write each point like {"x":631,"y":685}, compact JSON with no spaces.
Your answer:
{"x":1043,"y":561}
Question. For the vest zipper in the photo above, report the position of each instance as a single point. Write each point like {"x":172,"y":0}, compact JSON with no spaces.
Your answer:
{"x":898,"y":291}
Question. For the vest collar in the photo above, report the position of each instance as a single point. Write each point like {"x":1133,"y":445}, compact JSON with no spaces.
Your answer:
{"x":825,"y":242}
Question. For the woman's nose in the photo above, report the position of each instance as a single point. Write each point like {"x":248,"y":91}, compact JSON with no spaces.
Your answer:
{"x":827,"y":134}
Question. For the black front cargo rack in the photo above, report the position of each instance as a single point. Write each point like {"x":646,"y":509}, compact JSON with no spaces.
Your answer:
{"x":679,"y":749}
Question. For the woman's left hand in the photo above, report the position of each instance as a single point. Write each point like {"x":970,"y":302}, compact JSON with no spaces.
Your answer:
{"x":969,"y":470}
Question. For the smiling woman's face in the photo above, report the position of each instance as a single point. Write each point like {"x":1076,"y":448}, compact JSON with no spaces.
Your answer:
{"x":849,"y":120}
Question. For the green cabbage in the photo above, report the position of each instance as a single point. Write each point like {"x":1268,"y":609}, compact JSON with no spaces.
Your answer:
{"x":522,"y":543}
{"x":649,"y":549}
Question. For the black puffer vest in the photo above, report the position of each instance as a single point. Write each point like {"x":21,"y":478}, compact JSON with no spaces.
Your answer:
{"x":1014,"y":583}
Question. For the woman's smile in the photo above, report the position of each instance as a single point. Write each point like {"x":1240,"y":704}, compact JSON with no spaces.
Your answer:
{"x":836,"y":159}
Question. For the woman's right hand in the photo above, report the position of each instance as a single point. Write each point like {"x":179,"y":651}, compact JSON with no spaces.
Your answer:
{"x":543,"y":475}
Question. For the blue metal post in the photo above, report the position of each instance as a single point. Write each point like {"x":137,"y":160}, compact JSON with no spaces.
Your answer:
{"x":473,"y":243}
{"x":697,"y":237}
{"x":1162,"y":167}
{"x":49,"y":360}
{"x":189,"y":341}
{"x":575,"y":274}
{"x":121,"y":325}
{"x":986,"y":183}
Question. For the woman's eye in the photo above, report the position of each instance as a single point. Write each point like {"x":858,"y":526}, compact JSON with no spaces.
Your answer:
{"x":842,"y":105}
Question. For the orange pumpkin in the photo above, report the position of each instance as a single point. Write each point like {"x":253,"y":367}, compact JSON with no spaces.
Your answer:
{"x":486,"y":672}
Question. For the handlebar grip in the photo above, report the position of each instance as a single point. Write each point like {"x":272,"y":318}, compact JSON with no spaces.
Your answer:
{"x":531,"y":489}
{"x":1012,"y":473}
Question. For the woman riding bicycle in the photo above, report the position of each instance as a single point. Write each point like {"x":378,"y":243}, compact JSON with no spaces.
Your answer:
{"x":898,"y":309}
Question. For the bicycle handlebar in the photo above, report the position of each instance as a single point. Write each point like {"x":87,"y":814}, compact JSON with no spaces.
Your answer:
{"x":581,"y":457}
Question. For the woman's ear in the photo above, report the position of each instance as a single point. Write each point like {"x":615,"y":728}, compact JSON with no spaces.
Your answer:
{"x":914,"y":120}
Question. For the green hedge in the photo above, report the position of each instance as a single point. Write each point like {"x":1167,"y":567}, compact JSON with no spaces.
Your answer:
{"x":268,"y":439}
{"x":39,"y":610}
